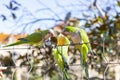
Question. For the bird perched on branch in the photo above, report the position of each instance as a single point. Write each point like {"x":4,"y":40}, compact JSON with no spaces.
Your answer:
{"x":83,"y":48}
{"x":61,"y":54}
{"x":35,"y":38}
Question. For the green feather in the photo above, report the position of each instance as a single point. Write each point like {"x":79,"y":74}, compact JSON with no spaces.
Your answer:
{"x":84,"y":48}
{"x":83,"y":34}
{"x":31,"y":39}
{"x":84,"y":59}
{"x":61,"y":57}
{"x":16,"y":43}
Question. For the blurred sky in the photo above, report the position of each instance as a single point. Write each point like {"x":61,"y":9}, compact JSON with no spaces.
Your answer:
{"x":31,"y":10}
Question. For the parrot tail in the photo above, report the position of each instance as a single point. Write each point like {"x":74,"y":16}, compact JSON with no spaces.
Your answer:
{"x":86,"y":70}
{"x":65,"y":74}
{"x":85,"y":66}
{"x":17,"y":43}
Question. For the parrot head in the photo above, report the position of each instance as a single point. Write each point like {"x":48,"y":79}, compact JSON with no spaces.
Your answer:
{"x":44,"y":32}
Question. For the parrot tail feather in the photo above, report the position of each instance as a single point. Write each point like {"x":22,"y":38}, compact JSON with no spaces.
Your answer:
{"x":66,"y":75}
{"x":86,"y":70}
{"x":13,"y":44}
{"x":23,"y":39}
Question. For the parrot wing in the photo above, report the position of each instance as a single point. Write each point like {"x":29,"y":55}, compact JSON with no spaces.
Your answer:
{"x":63,"y":44}
{"x":83,"y":34}
{"x":16,"y":43}
{"x":61,"y":54}
{"x":33,"y":38}
{"x":84,"y":48}
{"x":37,"y":36}
{"x":60,"y":62}
{"x":85,"y":38}
{"x":84,"y":59}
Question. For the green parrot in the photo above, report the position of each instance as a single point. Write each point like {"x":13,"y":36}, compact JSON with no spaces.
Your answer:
{"x":83,"y":48}
{"x":61,"y":54}
{"x":83,"y":35}
{"x":34,"y":38}
{"x":83,"y":58}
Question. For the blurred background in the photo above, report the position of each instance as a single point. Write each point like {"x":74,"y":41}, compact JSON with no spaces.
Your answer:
{"x":100,"y":18}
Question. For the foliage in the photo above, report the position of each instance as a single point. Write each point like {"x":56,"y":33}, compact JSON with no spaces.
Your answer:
{"x":104,"y":35}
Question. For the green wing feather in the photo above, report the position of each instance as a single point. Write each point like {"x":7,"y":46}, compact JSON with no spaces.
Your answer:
{"x":61,"y":57}
{"x":84,"y":48}
{"x":16,"y":43}
{"x":33,"y":38}
{"x":83,"y":34}
{"x":84,"y":59}
{"x":85,"y":38}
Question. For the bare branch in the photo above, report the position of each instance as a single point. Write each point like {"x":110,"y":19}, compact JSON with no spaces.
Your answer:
{"x":99,"y":8}
{"x":48,"y":8}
